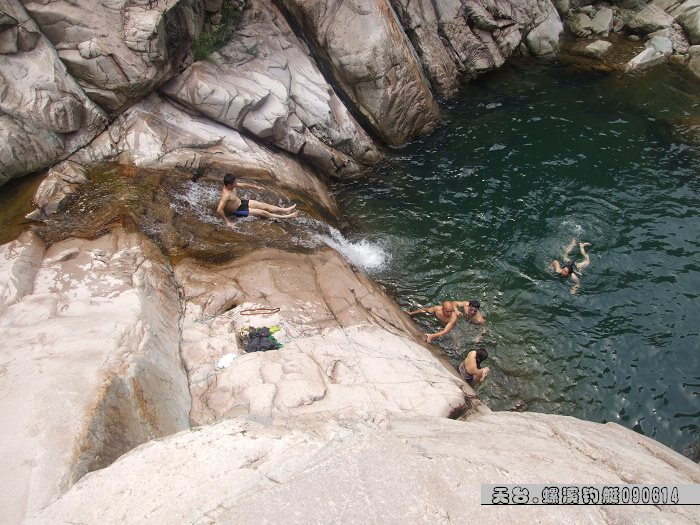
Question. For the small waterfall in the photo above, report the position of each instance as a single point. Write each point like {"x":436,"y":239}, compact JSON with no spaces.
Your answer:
{"x":365,"y":254}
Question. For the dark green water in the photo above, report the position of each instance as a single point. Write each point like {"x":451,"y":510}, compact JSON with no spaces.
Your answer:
{"x":526,"y":160}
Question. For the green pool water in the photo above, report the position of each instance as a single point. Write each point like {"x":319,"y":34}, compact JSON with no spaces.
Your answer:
{"x":529,"y":158}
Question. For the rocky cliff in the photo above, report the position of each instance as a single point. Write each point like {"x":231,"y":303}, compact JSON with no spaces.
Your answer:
{"x":127,"y":394}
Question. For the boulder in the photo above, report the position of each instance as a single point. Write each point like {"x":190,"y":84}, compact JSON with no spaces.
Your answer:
{"x":580,"y":25}
{"x":264,"y":84}
{"x":687,"y":14}
{"x":91,"y":364}
{"x":44,"y":114}
{"x":646,"y":59}
{"x":372,"y":62}
{"x":374,"y":468}
{"x":478,"y":36}
{"x":346,"y":345}
{"x":694,"y":67}
{"x":55,"y":190}
{"x":661,"y":44}
{"x":602,"y":22}
{"x":118,"y":50}
{"x":650,"y":19}
{"x":595,"y":49}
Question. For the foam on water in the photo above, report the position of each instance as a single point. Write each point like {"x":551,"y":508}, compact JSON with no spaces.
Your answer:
{"x":364,"y":254}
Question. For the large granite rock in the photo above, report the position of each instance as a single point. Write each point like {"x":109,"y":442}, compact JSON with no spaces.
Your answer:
{"x":118,"y":50}
{"x":90,"y":361}
{"x":460,"y":40}
{"x":423,"y":27}
{"x":44,"y":114}
{"x":364,"y":48}
{"x":376,"y":468}
{"x":264,"y":84}
{"x":346,"y":345}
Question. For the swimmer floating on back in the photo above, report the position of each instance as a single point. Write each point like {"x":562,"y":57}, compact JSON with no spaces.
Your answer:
{"x":567,"y":269}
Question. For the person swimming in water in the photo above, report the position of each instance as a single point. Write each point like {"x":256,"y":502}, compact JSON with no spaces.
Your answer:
{"x":470,"y":369}
{"x":567,"y":269}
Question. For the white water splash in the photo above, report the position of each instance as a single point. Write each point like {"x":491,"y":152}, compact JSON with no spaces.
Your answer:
{"x":364,"y":254}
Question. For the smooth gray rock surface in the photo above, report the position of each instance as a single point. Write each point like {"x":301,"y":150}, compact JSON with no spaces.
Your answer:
{"x":363,"y":46}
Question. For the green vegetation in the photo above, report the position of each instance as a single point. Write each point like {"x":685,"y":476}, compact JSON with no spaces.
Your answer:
{"x":221,"y":34}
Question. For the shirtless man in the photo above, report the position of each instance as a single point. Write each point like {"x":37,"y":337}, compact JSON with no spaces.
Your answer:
{"x":243,"y":207}
{"x":472,"y":313}
{"x":567,"y":270}
{"x":446,"y":312}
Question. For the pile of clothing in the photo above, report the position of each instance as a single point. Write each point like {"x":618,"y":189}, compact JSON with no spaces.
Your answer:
{"x":261,"y":339}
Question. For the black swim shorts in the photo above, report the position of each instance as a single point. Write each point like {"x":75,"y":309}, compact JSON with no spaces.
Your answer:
{"x":242,"y":209}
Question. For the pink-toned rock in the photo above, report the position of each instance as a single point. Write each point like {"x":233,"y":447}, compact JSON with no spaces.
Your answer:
{"x":90,"y":361}
{"x":346,"y":346}
{"x":376,"y":467}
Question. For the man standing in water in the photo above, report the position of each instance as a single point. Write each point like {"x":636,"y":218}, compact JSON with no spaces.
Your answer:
{"x":243,"y":207}
{"x":567,"y":270}
{"x":446,"y":312}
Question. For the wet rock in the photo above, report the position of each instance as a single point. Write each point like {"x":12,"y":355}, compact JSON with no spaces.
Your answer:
{"x":372,"y":63}
{"x":346,"y":345}
{"x":157,"y":133}
{"x":335,"y":467}
{"x":55,"y":190}
{"x":91,"y":361}
{"x":595,"y":49}
{"x":646,"y":59}
{"x":119,"y":51}
{"x":264,"y":84}
{"x":44,"y":114}
{"x":694,"y":67}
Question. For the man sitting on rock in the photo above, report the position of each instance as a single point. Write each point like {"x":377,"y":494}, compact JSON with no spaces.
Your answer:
{"x":243,"y":207}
